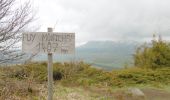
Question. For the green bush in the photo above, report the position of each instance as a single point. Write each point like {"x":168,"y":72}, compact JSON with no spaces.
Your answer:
{"x":57,"y":75}
{"x":82,"y":74}
{"x":154,"y":55}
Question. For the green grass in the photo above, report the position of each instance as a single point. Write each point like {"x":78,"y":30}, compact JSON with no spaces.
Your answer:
{"x":79,"y":80}
{"x":84,"y":75}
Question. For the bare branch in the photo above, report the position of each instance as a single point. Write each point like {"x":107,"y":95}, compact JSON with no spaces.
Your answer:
{"x":13,"y":20}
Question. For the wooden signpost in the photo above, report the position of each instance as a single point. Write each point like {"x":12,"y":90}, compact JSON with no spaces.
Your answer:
{"x":49,"y":42}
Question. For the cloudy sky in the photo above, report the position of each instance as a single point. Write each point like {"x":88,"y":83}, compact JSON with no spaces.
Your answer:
{"x":105,"y":19}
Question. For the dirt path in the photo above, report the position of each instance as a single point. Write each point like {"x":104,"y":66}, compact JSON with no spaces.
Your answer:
{"x":155,"y":94}
{"x":150,"y":94}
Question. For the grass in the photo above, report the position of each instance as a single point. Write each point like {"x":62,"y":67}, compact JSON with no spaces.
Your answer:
{"x":77,"y":81}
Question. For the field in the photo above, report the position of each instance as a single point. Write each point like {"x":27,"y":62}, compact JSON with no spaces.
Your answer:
{"x":81,"y":81}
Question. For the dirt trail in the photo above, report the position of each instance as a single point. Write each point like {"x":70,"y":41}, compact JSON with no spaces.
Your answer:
{"x":155,"y":94}
{"x":150,"y":94}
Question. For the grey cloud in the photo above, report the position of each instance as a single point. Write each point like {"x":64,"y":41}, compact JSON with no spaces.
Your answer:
{"x":112,"y":19}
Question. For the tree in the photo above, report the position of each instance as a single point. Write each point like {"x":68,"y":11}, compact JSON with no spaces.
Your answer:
{"x":155,"y":55}
{"x":14,"y":19}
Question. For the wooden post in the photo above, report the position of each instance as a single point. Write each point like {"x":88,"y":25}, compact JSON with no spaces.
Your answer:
{"x":50,"y":73}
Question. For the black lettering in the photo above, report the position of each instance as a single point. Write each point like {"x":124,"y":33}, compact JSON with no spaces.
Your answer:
{"x":55,"y":46}
{"x":52,"y":37}
{"x":43,"y":46}
{"x":44,"y":37}
{"x":28,"y":37}
{"x":56,"y":38}
{"x":68,"y":38}
{"x":33,"y":37}
{"x":49,"y":47}
{"x":38,"y":47}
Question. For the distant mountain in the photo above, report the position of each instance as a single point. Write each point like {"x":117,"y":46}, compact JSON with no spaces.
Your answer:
{"x":104,"y":54}
{"x":108,"y":54}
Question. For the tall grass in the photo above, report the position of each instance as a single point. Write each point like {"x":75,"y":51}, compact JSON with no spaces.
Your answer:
{"x":79,"y":73}
{"x":22,"y":80}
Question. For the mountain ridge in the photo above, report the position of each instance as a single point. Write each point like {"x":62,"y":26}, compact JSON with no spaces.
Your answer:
{"x":104,"y":54}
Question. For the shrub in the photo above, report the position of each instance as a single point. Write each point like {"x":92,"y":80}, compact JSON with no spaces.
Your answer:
{"x":57,"y":75}
{"x":73,"y":74}
{"x":155,"y":55}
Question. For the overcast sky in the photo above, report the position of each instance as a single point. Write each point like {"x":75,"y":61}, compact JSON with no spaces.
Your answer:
{"x":105,"y":19}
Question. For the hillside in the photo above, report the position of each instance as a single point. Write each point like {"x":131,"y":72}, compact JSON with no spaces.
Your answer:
{"x":80,"y":81}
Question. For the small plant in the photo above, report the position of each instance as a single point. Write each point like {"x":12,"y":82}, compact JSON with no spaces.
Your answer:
{"x":57,"y":75}
{"x":30,"y":89}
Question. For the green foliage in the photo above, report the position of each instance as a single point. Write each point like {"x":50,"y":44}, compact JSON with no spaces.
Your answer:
{"x":36,"y":71}
{"x":155,"y":55}
{"x":81,"y":74}
{"x":137,"y":76}
{"x":119,"y":78}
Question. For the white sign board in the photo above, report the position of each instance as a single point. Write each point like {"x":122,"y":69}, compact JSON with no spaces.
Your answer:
{"x":48,"y":42}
